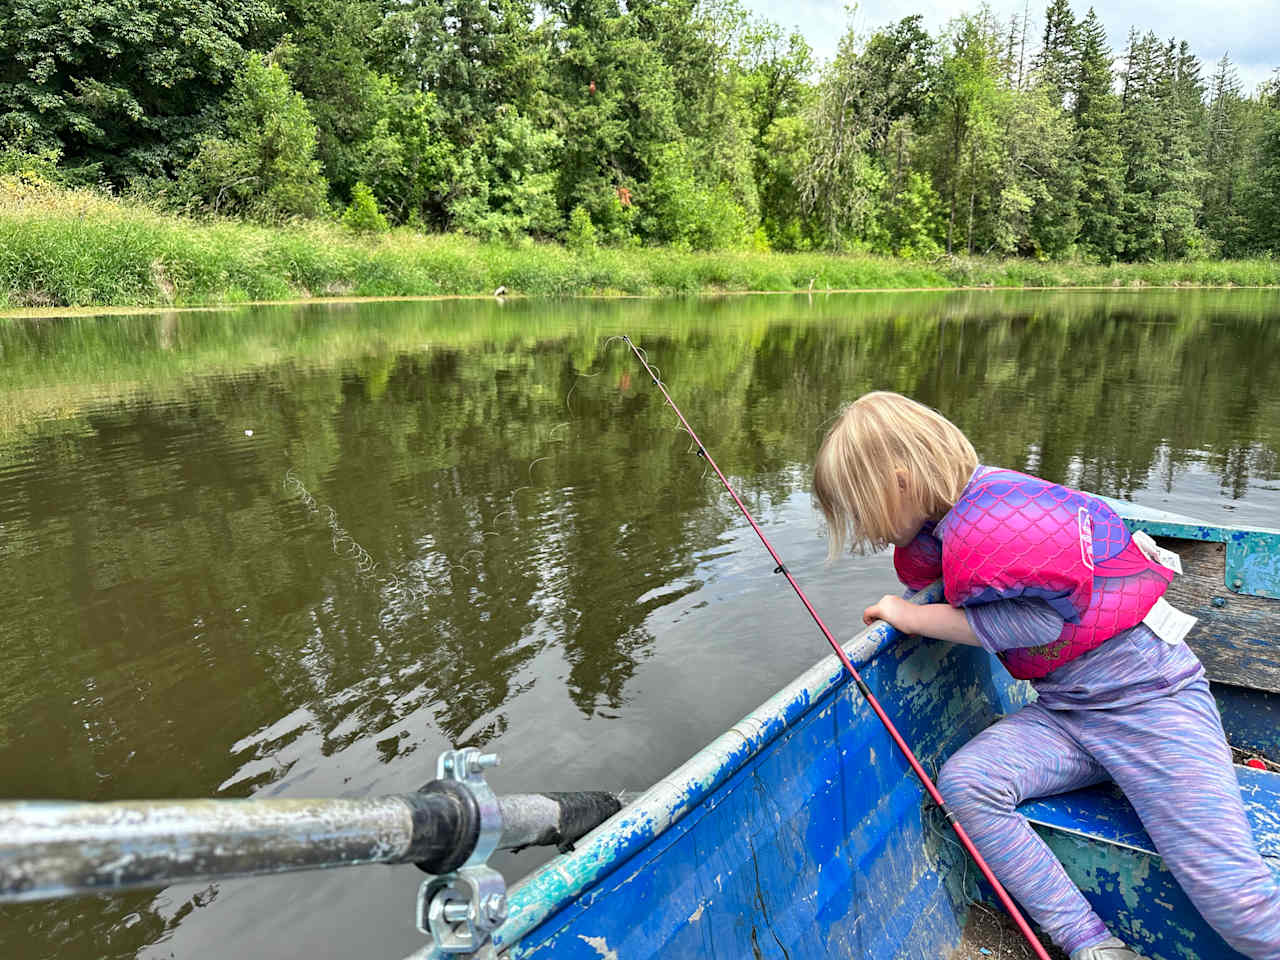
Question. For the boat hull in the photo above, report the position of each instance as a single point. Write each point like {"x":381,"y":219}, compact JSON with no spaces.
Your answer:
{"x":801,"y":832}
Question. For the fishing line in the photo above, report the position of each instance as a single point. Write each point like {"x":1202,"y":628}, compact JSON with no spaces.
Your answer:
{"x":924,"y":778}
{"x":344,"y":545}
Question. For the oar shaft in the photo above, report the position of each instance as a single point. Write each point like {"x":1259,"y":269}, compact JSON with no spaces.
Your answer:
{"x":899,"y":742}
{"x":51,"y":849}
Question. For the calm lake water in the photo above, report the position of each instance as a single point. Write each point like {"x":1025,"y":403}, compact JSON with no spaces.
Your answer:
{"x":297,"y":551}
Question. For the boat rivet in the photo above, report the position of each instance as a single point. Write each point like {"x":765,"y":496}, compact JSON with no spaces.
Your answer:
{"x":1219,"y":601}
{"x":1237,"y":583}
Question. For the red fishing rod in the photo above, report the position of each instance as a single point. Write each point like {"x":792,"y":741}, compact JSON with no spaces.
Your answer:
{"x":1005,"y":900}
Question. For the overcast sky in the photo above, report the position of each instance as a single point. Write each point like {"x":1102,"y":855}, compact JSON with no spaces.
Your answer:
{"x":1249,"y":30}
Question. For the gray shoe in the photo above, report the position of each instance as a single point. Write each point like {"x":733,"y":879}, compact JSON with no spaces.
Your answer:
{"x":1109,"y":949}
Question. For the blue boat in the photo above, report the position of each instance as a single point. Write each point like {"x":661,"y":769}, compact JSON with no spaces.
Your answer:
{"x":800,"y":831}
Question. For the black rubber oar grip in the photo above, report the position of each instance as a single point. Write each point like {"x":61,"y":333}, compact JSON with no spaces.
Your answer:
{"x":446,"y":826}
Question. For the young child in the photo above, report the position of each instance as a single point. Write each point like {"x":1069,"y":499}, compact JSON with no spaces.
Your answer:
{"x":1048,"y":579}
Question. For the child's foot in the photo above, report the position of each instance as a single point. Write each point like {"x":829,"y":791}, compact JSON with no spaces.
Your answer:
{"x":1109,"y":949}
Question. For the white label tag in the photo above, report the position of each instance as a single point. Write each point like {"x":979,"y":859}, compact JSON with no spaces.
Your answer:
{"x":1157,"y":553}
{"x":1168,"y":622}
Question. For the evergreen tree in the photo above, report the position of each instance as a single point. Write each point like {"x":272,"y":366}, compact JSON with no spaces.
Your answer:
{"x":1096,"y":110}
{"x":1180,"y":110}
{"x":839,"y":185}
{"x":1055,"y":63}
{"x":1226,"y":146}
{"x":1263,"y":193}
{"x":1141,"y":115}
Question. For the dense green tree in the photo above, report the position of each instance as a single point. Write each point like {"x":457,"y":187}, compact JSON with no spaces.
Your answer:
{"x":1032,"y":206}
{"x":124,"y":88}
{"x":1180,"y":126}
{"x":967,"y":106}
{"x":1227,"y":143}
{"x":615,"y":107}
{"x":1096,"y":112}
{"x":840,"y":185}
{"x":662,"y":121}
{"x":264,"y":166}
{"x":514,"y":178}
{"x":327,"y":57}
{"x":774,"y":67}
{"x":774,"y":93}
{"x":1141,"y":114}
{"x":1263,"y":193}
{"x":898,"y":73}
{"x":1161,"y":112}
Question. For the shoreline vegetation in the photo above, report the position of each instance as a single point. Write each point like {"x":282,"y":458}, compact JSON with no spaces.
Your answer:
{"x":81,"y":248}
{"x":423,"y":148}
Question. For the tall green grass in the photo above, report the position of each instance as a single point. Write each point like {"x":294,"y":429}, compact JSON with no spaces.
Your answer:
{"x":81,"y":248}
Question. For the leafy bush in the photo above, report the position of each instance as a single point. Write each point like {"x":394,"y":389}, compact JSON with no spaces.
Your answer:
{"x":681,"y":212}
{"x":265,"y":167}
{"x":582,"y":232}
{"x":506,"y":181}
{"x":362,"y":214}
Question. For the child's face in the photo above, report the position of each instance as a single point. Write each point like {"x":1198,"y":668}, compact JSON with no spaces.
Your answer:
{"x":908,"y":517}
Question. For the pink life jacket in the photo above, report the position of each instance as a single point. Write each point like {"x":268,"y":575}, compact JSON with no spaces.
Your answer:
{"x":1011,"y":535}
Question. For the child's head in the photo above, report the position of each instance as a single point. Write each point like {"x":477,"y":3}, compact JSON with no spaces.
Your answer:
{"x":887,"y":465}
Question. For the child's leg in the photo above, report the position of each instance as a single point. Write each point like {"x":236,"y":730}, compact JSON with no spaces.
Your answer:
{"x":1023,"y":756}
{"x":1170,"y":758}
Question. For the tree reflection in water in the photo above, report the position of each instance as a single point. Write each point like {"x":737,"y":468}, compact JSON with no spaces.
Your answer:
{"x":178,"y":621}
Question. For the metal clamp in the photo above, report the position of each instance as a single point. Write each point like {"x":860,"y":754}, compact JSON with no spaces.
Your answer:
{"x":459,"y":910}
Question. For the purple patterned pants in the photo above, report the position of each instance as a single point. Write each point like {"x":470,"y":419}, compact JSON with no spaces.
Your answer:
{"x":1170,"y":758}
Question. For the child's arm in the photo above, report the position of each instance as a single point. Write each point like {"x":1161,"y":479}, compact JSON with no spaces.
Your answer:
{"x":939,"y":620}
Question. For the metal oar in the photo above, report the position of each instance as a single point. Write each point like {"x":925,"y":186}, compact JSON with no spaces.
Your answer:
{"x":51,"y":849}
{"x":1005,"y":900}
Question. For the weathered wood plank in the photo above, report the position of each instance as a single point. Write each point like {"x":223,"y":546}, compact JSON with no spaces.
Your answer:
{"x":1238,"y":637}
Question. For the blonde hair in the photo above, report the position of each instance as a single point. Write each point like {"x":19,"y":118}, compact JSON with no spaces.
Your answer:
{"x":855,"y":477}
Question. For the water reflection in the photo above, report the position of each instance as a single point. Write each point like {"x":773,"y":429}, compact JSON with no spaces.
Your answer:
{"x":535,"y":534}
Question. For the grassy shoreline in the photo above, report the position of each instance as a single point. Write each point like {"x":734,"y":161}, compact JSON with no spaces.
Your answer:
{"x":82,"y":249}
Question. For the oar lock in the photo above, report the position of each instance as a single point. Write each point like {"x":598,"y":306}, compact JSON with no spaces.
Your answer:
{"x":459,"y":908}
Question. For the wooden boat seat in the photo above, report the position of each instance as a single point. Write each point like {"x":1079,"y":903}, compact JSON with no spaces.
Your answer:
{"x":1235,"y":637}
{"x":1102,"y":814}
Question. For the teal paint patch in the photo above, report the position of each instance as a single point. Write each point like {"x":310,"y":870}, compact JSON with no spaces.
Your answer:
{"x":1253,"y":563}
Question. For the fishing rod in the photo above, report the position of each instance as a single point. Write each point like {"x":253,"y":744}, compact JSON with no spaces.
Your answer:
{"x":926,"y":781}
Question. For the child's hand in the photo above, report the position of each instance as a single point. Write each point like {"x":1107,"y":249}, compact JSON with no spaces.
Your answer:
{"x":892,"y":610}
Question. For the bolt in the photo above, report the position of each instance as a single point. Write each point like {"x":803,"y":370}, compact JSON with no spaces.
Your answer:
{"x":495,"y":907}
{"x":484,"y":761}
{"x":456,"y":911}
{"x":1237,"y":583}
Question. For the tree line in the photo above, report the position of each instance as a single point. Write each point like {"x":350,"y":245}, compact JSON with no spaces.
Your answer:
{"x":660,"y":122}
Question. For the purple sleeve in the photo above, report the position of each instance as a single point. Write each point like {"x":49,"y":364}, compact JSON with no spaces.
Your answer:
{"x":1011,"y":624}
